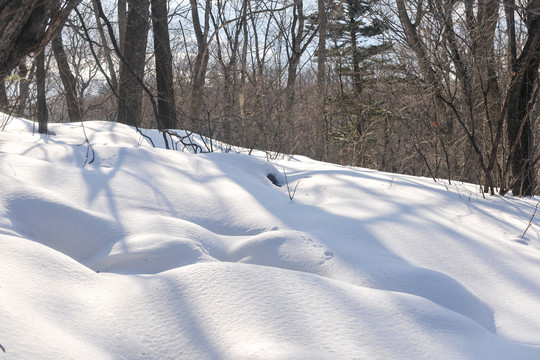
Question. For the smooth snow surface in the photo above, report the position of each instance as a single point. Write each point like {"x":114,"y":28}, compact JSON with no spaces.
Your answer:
{"x":126,"y":251}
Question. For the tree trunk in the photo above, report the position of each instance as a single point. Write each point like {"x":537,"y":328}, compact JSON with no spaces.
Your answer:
{"x":483,"y":33}
{"x":320,"y":126}
{"x":164,"y":73}
{"x":130,"y":92}
{"x":297,"y":33}
{"x":42,"y":114}
{"x":122,"y":23}
{"x":521,"y":101}
{"x":26,"y":27}
{"x":243,"y":73}
{"x":229,"y":66}
{"x":68,"y":80}
{"x":4,"y":103}
{"x":105,"y":45}
{"x":261,"y":104}
{"x":520,"y":134}
{"x":24,"y":87}
{"x":201,"y":61}
{"x":353,"y":28}
{"x":298,"y":45}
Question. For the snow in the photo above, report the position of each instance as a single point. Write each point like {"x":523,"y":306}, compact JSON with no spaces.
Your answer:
{"x":136,"y":252}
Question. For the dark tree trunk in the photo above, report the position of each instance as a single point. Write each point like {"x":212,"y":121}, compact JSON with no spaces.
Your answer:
{"x":27,"y":25}
{"x":122,"y":23}
{"x":104,"y":42}
{"x":521,"y":100}
{"x":4,"y":103}
{"x":130,"y":92}
{"x":320,"y":126}
{"x":519,"y":129}
{"x":42,"y":114}
{"x":164,"y":73}
{"x":68,"y":80}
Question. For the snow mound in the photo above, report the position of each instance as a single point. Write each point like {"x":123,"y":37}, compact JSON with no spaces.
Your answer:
{"x":151,"y":254}
{"x":51,"y":220}
{"x":285,"y":249}
{"x":113,"y":249}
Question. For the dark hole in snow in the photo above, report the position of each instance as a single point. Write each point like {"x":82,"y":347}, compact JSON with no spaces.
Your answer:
{"x":273,"y":179}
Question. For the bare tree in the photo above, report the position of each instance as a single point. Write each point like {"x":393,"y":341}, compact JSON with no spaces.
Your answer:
{"x":68,"y":80}
{"x":130,"y":91}
{"x":320,"y":125}
{"x":300,"y":40}
{"x":227,"y":56}
{"x":163,"y":57}
{"x":484,"y":98}
{"x":104,"y":42}
{"x":438,"y":57}
{"x":42,"y":112}
{"x":201,"y":61}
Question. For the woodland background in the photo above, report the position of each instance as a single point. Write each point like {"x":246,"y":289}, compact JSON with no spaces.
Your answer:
{"x":437,"y":88}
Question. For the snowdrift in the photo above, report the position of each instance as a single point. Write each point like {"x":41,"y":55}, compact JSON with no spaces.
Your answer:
{"x":114,"y":249}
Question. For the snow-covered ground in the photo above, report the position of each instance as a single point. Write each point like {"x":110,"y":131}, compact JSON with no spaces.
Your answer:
{"x":147,"y":253}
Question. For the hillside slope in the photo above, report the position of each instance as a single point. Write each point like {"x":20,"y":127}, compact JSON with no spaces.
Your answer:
{"x":135,"y":252}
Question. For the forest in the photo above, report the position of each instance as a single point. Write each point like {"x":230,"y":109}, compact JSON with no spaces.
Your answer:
{"x":436,"y":88}
{"x":278,"y":179}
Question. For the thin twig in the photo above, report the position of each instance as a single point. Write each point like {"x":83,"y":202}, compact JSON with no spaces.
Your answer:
{"x":98,"y":62}
{"x":530,"y":220}
{"x":89,"y":147}
{"x":291,"y":195}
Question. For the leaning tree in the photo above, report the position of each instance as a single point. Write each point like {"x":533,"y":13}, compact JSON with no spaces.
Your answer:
{"x":27,"y":25}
